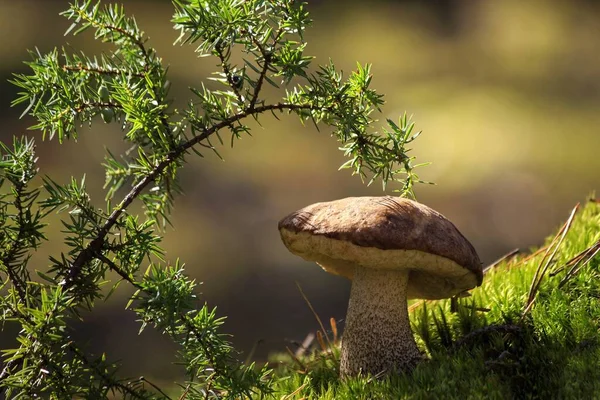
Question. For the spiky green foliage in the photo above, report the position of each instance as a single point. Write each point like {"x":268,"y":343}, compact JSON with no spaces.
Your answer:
{"x":491,"y":347}
{"x":129,"y":85}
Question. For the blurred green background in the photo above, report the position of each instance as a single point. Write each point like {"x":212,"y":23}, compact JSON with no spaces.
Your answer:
{"x":506,"y":92}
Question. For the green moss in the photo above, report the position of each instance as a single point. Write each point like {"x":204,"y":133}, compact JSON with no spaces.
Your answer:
{"x":487,"y":348}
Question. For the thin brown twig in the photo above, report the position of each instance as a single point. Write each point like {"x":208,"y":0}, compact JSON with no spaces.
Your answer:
{"x":118,"y":270}
{"x":546,"y":261}
{"x":554,"y":245}
{"x":138,"y":42}
{"x":83,"y":106}
{"x":206,"y":347}
{"x":185,"y":392}
{"x":107,"y":378}
{"x":296,"y":359}
{"x":570,"y":263}
{"x":508,"y":256}
{"x":229,"y":75}
{"x":589,"y":255}
{"x":10,"y":254}
{"x":295,"y":392}
{"x":158,"y":389}
{"x":315,"y":314}
{"x":261,"y":77}
{"x":267,"y":58}
{"x":253,"y":351}
{"x":96,"y":245}
{"x":529,"y":257}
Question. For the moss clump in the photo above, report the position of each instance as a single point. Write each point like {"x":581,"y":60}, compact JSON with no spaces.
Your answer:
{"x":488,"y":347}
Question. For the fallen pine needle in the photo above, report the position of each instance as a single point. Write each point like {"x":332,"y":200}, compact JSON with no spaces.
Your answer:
{"x":547,"y":260}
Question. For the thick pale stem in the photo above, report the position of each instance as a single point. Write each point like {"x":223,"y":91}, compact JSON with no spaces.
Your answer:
{"x":377,"y":337}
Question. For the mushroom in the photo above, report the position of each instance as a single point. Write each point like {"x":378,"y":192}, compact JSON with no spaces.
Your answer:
{"x":393,"y":249}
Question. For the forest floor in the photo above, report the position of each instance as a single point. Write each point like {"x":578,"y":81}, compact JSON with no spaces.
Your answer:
{"x":531,"y":330}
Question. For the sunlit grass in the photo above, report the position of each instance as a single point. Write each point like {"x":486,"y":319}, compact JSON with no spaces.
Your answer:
{"x":490,"y":347}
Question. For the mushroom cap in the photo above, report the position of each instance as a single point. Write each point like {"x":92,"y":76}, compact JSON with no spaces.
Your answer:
{"x":385,"y":233}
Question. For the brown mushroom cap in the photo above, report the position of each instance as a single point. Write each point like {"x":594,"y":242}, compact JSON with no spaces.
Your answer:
{"x":385,"y":233}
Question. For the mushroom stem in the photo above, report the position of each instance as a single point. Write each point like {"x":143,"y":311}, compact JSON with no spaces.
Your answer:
{"x":377,"y":336}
